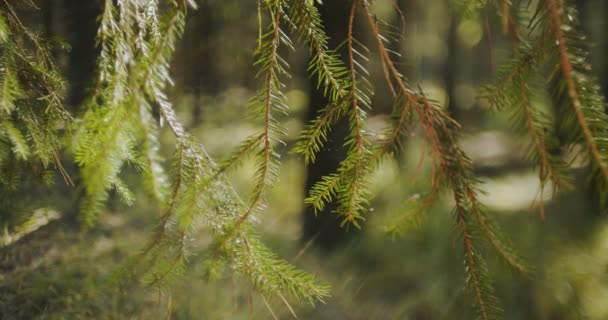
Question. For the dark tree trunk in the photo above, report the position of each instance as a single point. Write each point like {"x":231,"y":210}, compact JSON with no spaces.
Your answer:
{"x":198,"y":50}
{"x":50,"y":11}
{"x":323,"y":229}
{"x":82,"y":24}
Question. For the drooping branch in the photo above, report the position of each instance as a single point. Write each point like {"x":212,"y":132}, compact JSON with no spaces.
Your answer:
{"x":567,"y":69}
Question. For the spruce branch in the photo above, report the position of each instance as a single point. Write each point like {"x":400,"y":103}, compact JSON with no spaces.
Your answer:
{"x":348,"y":184}
{"x":133,"y":73}
{"x":269,"y":100}
{"x":513,"y":92}
{"x":156,"y":180}
{"x":569,"y":75}
{"x":263,"y":104}
{"x":453,"y":165}
{"x":325,"y":63}
{"x":477,"y":273}
{"x":315,"y":134}
{"x":200,"y":195}
{"x":350,"y":204}
{"x":580,"y":93}
{"x":271,"y":275}
{"x":458,"y":174}
{"x":31,"y":91}
{"x":331,"y":74}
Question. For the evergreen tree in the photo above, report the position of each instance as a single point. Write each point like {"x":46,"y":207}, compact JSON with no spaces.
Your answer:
{"x":116,"y":122}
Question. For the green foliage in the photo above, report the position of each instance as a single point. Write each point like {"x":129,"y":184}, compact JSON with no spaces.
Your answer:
{"x":582,"y":106}
{"x":349,"y":94}
{"x":133,"y":72}
{"x":331,"y":74}
{"x":554,"y":49}
{"x":30,"y":103}
{"x":32,"y":117}
{"x":517,"y":92}
{"x":268,"y":101}
{"x":120,"y":117}
{"x":450,"y":164}
{"x":128,"y":106}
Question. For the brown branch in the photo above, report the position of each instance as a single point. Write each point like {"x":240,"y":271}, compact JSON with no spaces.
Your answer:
{"x":537,"y":138}
{"x":546,"y":170}
{"x":270,"y":77}
{"x":395,"y":134}
{"x":420,"y":163}
{"x":433,"y":128}
{"x":515,"y":36}
{"x":351,"y":62}
{"x":540,"y":148}
{"x":412,"y":99}
{"x":428,"y":115}
{"x":386,"y":59}
{"x":568,"y":74}
{"x":487,"y":230}
{"x":350,"y":214}
{"x":470,"y":255}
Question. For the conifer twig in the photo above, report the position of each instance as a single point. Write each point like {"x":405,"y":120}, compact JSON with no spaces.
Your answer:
{"x":350,"y":214}
{"x":265,"y":135}
{"x":472,"y":264}
{"x":454,"y":166}
{"x":568,"y":74}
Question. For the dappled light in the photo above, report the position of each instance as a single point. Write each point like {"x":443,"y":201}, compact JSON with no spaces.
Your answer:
{"x":282,"y":159}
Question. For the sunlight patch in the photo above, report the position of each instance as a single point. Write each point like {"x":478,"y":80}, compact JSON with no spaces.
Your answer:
{"x":514,"y":192}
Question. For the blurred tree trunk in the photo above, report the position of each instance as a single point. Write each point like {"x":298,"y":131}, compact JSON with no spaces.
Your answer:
{"x":51,"y":11}
{"x":323,"y":229}
{"x":82,"y":24}
{"x":201,"y":73}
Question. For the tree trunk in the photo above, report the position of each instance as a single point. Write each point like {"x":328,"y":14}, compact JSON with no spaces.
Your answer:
{"x":81,"y":26}
{"x":200,"y":73}
{"x":323,"y":229}
{"x":82,"y":20}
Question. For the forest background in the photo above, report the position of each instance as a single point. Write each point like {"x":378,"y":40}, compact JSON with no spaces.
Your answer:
{"x":55,"y":267}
